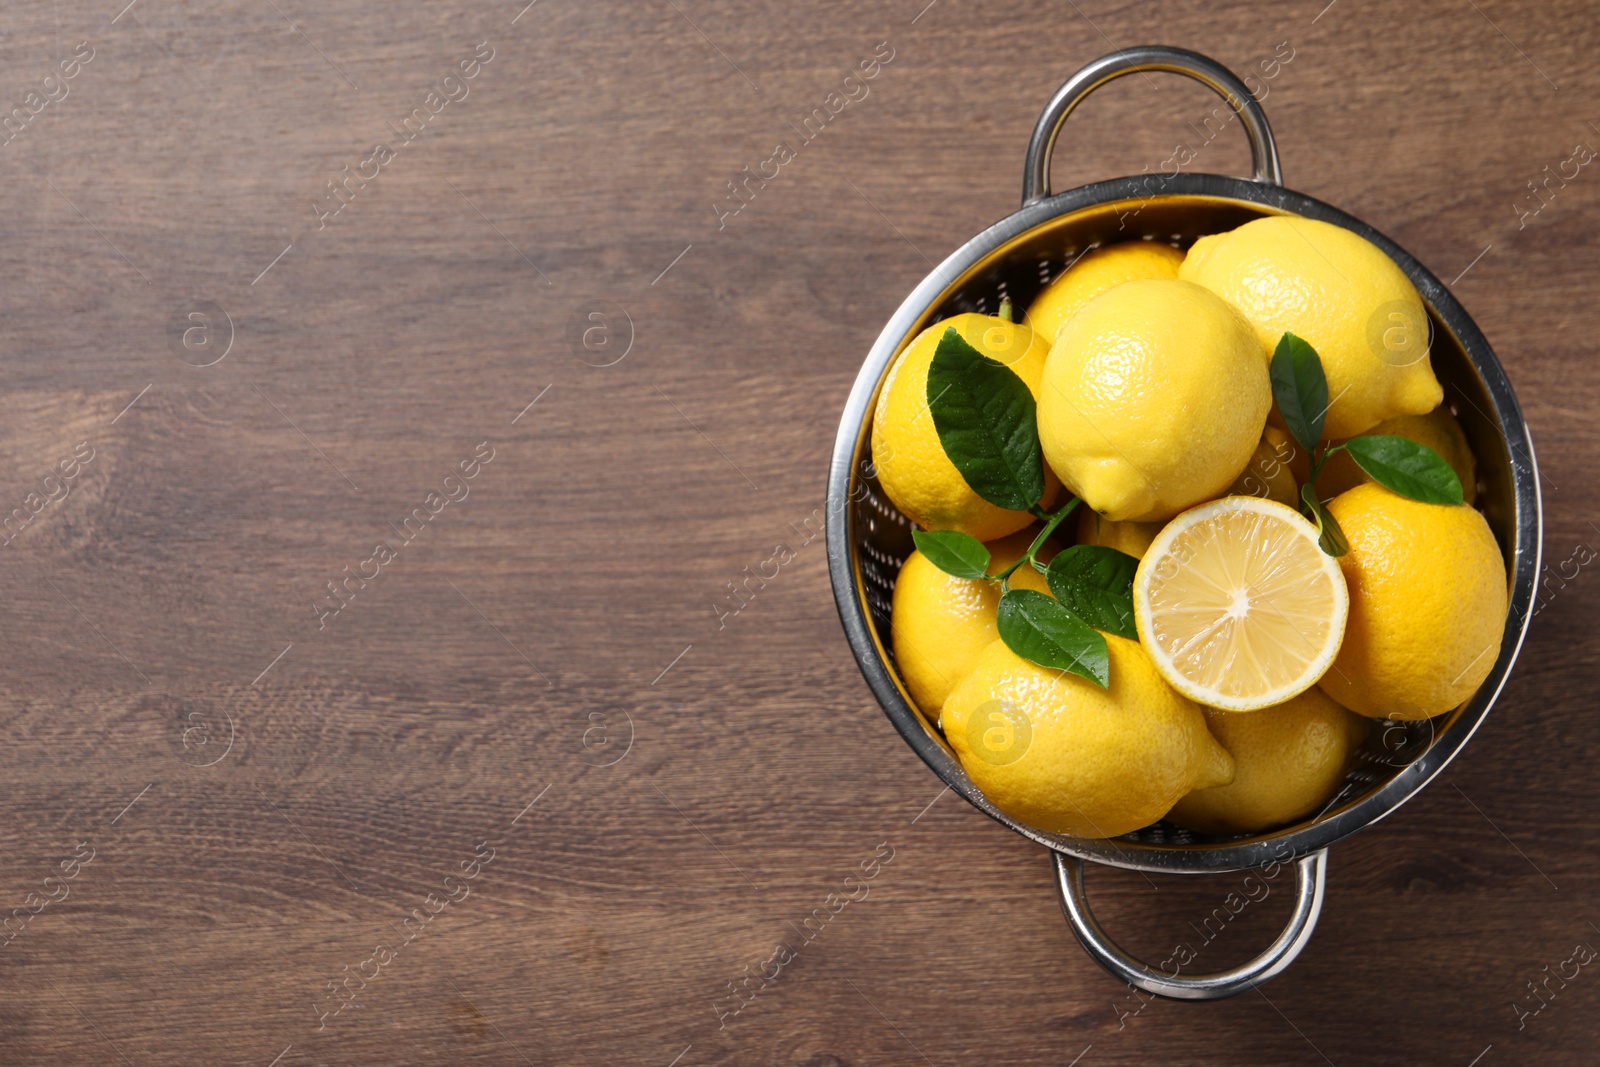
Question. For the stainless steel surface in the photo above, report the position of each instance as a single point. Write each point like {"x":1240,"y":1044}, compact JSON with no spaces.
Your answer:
{"x":1310,"y":882}
{"x":868,"y":539}
{"x":1203,"y":69}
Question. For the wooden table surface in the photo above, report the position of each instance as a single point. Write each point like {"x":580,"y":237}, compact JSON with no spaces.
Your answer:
{"x":374,"y":690}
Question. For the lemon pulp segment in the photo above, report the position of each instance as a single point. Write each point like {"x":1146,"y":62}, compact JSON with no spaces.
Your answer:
{"x":1238,"y":606}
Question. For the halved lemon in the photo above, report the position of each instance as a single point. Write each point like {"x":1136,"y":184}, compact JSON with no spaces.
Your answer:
{"x":1237,"y":605}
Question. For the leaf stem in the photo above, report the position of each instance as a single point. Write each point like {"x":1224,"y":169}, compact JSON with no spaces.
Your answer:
{"x":1050,"y":525}
{"x":1003,"y":575}
{"x":1316,"y":468}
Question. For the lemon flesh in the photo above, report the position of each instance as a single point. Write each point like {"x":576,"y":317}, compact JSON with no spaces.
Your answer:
{"x":1238,"y":606}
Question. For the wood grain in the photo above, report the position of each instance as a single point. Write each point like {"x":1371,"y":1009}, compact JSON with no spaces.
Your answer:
{"x":268,"y":798}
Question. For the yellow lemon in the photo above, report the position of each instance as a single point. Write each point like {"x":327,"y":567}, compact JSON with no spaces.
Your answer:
{"x":1438,"y":429}
{"x":1267,"y":475}
{"x":1288,"y":451}
{"x":1130,"y":537}
{"x":1427,"y":605}
{"x":940,"y":623}
{"x":1238,"y":606}
{"x":912,"y":466}
{"x":1289,"y":760}
{"x":1059,"y":753}
{"x":1092,"y":274}
{"x":1153,"y":399}
{"x":1344,"y":296}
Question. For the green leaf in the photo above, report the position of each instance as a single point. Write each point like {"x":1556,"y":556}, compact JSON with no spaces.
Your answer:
{"x":1300,"y":389}
{"x":985,"y":418}
{"x":1095,"y":583}
{"x":953,"y":552}
{"x":1406,"y":467}
{"x":1329,"y":536}
{"x":1038,"y":628}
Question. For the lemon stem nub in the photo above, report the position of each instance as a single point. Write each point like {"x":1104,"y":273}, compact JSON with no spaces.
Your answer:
{"x":1005,"y":308}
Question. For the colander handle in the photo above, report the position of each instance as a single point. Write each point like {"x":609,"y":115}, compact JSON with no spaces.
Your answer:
{"x":1310,"y":881}
{"x":1203,"y":69}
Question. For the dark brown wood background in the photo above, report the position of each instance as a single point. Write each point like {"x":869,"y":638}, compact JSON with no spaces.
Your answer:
{"x":266,"y":800}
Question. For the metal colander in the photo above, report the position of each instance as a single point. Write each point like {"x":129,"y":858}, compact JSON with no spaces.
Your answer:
{"x":868,"y":539}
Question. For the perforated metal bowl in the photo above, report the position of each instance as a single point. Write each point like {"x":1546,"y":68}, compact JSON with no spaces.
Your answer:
{"x":868,"y":539}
